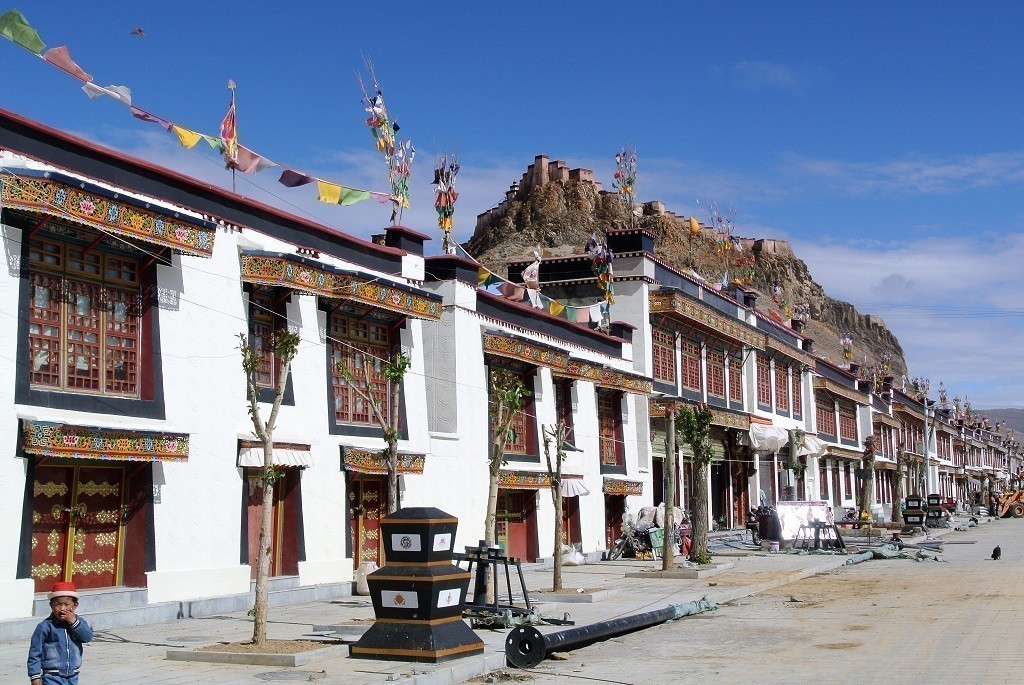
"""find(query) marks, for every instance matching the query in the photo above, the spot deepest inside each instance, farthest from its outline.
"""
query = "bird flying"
(137, 31)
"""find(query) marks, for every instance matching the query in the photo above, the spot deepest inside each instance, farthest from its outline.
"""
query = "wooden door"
(97, 526)
(284, 548)
(365, 496)
(571, 532)
(517, 524)
(837, 497)
(614, 507)
(77, 525)
(741, 493)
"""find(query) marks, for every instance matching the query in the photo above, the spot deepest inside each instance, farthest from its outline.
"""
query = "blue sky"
(883, 140)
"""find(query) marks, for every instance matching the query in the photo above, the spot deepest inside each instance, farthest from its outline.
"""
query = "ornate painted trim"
(839, 391)
(727, 419)
(524, 480)
(293, 446)
(524, 350)
(87, 442)
(608, 378)
(362, 460)
(53, 198)
(322, 280)
(690, 312)
(877, 417)
(619, 486)
(788, 350)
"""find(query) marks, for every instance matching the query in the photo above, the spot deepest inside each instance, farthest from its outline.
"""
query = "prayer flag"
(249, 162)
(229, 134)
(120, 93)
(556, 308)
(214, 142)
(334, 194)
(14, 26)
(188, 138)
(294, 179)
(534, 296)
(512, 291)
(59, 57)
(581, 314)
(146, 116)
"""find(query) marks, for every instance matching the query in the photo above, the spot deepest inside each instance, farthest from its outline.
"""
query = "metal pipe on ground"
(857, 558)
(526, 647)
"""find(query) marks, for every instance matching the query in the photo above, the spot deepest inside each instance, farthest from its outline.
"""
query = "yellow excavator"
(1011, 504)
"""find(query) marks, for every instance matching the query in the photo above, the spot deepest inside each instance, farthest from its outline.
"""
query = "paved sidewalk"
(138, 654)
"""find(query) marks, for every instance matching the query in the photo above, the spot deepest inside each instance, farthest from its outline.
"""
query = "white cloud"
(912, 174)
(758, 76)
(953, 304)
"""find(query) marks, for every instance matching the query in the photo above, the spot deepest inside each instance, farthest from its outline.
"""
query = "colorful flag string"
(16, 28)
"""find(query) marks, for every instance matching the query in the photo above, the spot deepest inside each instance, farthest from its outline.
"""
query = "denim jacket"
(56, 647)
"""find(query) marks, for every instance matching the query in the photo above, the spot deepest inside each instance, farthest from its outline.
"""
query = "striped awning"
(62, 440)
(250, 454)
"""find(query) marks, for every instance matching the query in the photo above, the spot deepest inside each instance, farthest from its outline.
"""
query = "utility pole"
(668, 552)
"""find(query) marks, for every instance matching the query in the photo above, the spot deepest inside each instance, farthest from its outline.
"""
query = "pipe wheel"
(1017, 510)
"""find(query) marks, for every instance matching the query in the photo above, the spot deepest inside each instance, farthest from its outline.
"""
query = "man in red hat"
(55, 652)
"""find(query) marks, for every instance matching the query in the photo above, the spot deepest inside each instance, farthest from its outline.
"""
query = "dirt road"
(894, 621)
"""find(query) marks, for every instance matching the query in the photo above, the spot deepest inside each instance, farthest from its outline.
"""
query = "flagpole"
(231, 87)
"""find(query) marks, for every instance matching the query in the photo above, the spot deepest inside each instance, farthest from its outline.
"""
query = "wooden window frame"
(826, 414)
(764, 381)
(782, 387)
(716, 373)
(847, 422)
(735, 378)
(563, 404)
(609, 418)
(691, 375)
(798, 399)
(352, 339)
(663, 353)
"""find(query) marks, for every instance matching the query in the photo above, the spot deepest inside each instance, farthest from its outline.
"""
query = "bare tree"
(556, 434)
(508, 393)
(694, 425)
(867, 489)
(385, 416)
(897, 486)
(285, 347)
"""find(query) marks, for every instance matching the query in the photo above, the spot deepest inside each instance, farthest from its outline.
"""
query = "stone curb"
(259, 659)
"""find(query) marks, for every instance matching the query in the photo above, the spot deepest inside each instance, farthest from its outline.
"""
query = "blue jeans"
(54, 679)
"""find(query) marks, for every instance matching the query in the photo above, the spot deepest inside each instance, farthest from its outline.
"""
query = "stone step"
(129, 614)
(104, 599)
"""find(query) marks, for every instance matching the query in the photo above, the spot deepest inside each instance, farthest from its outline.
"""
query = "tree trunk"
(391, 436)
(668, 552)
(867, 488)
(699, 506)
(897, 489)
(259, 629)
(556, 575)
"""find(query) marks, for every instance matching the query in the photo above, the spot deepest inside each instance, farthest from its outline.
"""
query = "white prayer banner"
(442, 542)
(448, 598)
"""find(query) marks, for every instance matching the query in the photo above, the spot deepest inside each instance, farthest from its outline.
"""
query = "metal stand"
(830, 540)
(495, 614)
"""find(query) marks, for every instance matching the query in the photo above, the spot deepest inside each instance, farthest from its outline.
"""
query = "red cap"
(63, 590)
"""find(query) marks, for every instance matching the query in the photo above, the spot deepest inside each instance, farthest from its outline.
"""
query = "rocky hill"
(559, 214)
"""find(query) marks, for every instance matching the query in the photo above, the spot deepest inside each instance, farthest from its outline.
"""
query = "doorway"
(284, 557)
(366, 500)
(517, 523)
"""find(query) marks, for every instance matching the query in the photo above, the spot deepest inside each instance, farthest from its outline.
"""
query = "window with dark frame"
(691, 365)
(609, 415)
(524, 424)
(360, 347)
(261, 336)
(822, 479)
(735, 378)
(764, 381)
(798, 399)
(716, 373)
(782, 387)
(85, 310)
(663, 351)
(563, 405)
(847, 421)
(825, 415)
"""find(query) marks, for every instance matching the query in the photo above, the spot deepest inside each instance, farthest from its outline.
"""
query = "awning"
(572, 486)
(70, 199)
(334, 283)
(250, 454)
(64, 440)
(362, 460)
(622, 486)
(767, 438)
(812, 446)
(608, 377)
(521, 349)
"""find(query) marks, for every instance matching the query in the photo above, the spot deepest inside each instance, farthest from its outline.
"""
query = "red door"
(571, 533)
(517, 523)
(77, 525)
(365, 497)
(614, 507)
(284, 550)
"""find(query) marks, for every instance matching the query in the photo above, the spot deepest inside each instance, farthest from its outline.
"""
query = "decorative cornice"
(728, 419)
(839, 391)
(608, 378)
(620, 486)
(523, 480)
(788, 350)
(362, 460)
(63, 201)
(293, 272)
(692, 312)
(527, 351)
(877, 417)
(842, 452)
(62, 440)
